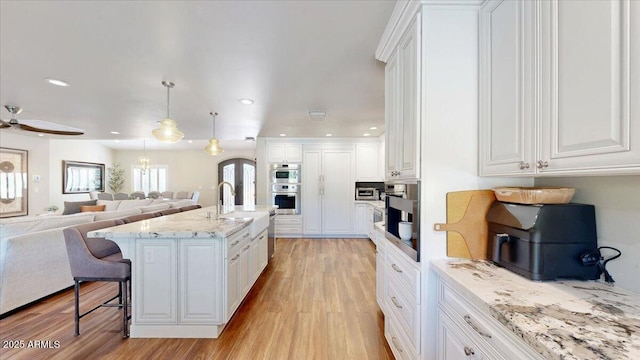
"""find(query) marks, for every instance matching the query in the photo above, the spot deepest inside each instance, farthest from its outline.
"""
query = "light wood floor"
(315, 300)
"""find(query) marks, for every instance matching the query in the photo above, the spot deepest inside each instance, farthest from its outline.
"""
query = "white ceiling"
(288, 56)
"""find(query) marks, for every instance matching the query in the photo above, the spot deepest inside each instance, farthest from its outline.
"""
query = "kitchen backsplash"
(617, 202)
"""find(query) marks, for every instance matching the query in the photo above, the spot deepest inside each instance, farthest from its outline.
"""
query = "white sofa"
(33, 255)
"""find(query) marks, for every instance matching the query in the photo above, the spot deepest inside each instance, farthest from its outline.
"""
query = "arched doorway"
(242, 174)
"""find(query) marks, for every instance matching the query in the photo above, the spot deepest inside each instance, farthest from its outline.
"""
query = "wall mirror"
(82, 177)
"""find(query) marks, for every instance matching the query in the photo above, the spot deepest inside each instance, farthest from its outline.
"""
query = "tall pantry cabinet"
(328, 190)
(559, 87)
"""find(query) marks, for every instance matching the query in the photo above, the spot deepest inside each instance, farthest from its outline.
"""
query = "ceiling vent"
(317, 115)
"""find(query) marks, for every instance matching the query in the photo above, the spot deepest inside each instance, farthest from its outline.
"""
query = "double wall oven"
(285, 188)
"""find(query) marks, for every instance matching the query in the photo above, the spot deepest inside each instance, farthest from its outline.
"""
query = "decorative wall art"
(82, 177)
(14, 194)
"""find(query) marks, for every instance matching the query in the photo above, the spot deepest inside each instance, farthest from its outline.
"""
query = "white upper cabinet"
(402, 105)
(367, 160)
(284, 153)
(506, 97)
(590, 104)
(559, 87)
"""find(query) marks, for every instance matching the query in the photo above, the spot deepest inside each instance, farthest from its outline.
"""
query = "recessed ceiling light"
(190, 141)
(57, 82)
(366, 134)
(40, 134)
(283, 134)
(329, 134)
(373, 128)
(116, 140)
(246, 101)
(115, 132)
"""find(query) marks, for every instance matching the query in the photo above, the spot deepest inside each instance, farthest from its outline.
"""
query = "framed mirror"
(82, 177)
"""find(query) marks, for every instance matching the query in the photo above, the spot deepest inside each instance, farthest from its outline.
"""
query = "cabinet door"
(201, 268)
(233, 292)
(293, 153)
(381, 258)
(590, 109)
(409, 121)
(338, 193)
(361, 227)
(506, 127)
(254, 266)
(156, 293)
(371, 231)
(311, 193)
(392, 116)
(275, 153)
(263, 257)
(453, 343)
(244, 271)
(367, 162)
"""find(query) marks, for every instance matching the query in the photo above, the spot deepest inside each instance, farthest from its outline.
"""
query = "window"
(154, 179)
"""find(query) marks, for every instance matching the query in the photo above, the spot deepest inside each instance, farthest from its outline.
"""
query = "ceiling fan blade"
(49, 127)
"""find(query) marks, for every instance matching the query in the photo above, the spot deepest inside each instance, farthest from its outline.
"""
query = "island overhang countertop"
(199, 223)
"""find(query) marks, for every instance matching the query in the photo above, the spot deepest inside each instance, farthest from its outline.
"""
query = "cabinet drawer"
(289, 230)
(453, 343)
(401, 271)
(406, 313)
(397, 342)
(288, 220)
(234, 241)
(500, 343)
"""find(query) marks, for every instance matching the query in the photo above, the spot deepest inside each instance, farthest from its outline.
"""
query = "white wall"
(617, 202)
(189, 170)
(72, 150)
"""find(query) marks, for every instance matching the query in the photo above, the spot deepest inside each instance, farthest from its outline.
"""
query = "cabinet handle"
(235, 243)
(235, 257)
(542, 164)
(523, 165)
(395, 342)
(475, 327)
(396, 268)
(261, 237)
(468, 351)
(247, 247)
(395, 302)
(245, 235)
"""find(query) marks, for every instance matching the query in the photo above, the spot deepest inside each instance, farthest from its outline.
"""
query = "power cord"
(602, 263)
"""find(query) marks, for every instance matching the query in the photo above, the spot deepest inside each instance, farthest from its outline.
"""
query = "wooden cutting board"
(466, 226)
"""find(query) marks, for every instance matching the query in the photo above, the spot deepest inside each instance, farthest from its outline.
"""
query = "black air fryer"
(544, 242)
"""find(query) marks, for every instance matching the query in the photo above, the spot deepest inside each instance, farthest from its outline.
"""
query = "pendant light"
(168, 131)
(213, 148)
(143, 161)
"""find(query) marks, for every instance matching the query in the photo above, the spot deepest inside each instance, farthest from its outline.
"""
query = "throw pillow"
(87, 208)
(73, 207)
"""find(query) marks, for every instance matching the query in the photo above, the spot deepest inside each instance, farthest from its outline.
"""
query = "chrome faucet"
(220, 203)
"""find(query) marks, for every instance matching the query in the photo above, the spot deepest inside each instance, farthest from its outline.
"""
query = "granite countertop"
(558, 319)
(189, 224)
(378, 204)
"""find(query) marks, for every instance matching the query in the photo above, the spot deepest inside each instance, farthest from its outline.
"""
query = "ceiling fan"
(36, 125)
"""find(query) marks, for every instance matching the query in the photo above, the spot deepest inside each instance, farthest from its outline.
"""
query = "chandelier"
(143, 161)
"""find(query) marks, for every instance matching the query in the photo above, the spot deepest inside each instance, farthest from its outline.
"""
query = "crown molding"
(404, 12)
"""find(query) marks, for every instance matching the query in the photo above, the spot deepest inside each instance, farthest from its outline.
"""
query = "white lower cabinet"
(238, 263)
(155, 290)
(288, 225)
(398, 295)
(258, 255)
(361, 227)
(453, 343)
(200, 266)
(465, 330)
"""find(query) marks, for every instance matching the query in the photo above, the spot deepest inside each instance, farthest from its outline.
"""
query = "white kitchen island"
(190, 272)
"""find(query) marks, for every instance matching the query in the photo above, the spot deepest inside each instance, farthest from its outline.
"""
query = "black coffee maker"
(544, 242)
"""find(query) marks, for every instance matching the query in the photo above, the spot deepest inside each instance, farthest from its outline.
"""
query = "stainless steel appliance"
(367, 193)
(285, 173)
(402, 205)
(544, 242)
(271, 235)
(287, 198)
